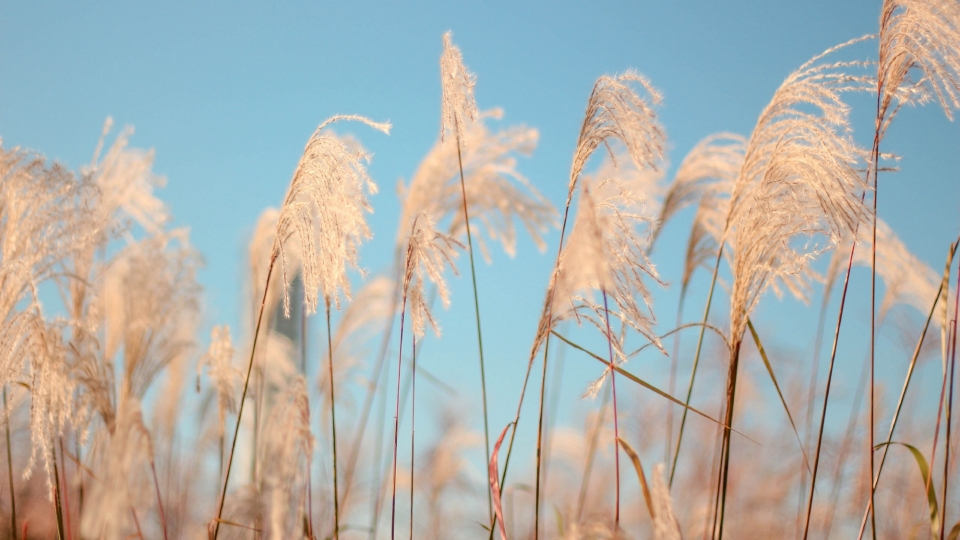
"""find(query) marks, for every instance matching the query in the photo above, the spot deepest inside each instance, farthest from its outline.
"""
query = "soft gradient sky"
(228, 93)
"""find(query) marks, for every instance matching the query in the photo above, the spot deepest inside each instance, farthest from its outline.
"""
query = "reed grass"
(101, 367)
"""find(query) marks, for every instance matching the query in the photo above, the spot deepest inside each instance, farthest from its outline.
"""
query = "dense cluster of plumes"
(101, 306)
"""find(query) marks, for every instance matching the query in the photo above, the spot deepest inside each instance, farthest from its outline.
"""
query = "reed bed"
(122, 421)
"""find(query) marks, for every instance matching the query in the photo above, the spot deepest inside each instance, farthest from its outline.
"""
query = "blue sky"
(228, 93)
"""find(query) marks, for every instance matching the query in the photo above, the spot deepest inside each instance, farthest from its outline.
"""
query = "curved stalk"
(243, 398)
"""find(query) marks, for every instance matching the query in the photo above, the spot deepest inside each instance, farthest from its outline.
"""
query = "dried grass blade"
(494, 478)
(647, 498)
(925, 473)
(648, 386)
(766, 363)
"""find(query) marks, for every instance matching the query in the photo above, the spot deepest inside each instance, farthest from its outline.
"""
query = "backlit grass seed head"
(51, 394)
(126, 182)
(123, 481)
(226, 378)
(799, 180)
(665, 525)
(151, 307)
(716, 158)
(458, 108)
(324, 208)
(498, 195)
(428, 253)
(616, 111)
(607, 253)
(287, 452)
(922, 35)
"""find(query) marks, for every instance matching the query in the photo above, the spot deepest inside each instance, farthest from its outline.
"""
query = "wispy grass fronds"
(428, 253)
(665, 524)
(717, 158)
(498, 195)
(124, 482)
(921, 35)
(459, 107)
(799, 180)
(324, 208)
(606, 253)
(287, 452)
(151, 308)
(126, 183)
(798, 184)
(615, 111)
(226, 378)
(907, 280)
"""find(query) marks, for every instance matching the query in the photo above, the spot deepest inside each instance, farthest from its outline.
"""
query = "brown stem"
(156, 484)
(243, 397)
(333, 427)
(396, 418)
(731, 401)
(826, 395)
(413, 421)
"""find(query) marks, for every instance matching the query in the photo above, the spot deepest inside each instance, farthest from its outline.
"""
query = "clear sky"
(228, 93)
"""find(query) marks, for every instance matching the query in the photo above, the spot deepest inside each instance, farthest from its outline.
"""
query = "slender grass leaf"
(643, 479)
(766, 362)
(495, 482)
(931, 492)
(648, 386)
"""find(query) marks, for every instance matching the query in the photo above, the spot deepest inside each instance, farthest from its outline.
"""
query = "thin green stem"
(368, 404)
(243, 398)
(903, 391)
(811, 398)
(333, 428)
(476, 308)
(953, 363)
(696, 364)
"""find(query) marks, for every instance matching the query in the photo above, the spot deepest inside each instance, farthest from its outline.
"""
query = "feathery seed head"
(497, 194)
(226, 377)
(616, 111)
(921, 34)
(458, 108)
(324, 208)
(428, 252)
(798, 180)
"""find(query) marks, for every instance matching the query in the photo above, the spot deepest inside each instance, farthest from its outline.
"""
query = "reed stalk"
(476, 309)
(696, 364)
(413, 420)
(243, 397)
(396, 418)
(333, 428)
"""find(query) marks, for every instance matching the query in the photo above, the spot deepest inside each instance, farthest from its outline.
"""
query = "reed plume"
(798, 183)
(287, 452)
(498, 195)
(324, 208)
